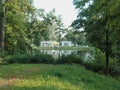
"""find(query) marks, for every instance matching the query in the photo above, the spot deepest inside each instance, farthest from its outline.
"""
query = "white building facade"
(55, 43)
(66, 43)
(49, 43)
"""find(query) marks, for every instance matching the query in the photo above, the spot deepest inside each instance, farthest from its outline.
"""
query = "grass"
(81, 48)
(53, 77)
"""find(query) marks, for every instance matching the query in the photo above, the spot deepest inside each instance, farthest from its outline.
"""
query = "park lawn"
(53, 77)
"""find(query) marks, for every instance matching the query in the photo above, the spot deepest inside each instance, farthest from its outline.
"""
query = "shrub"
(30, 58)
(3, 55)
(42, 58)
(18, 58)
(114, 66)
(72, 58)
(98, 63)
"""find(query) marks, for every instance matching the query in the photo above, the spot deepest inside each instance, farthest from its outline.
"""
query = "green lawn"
(67, 48)
(53, 77)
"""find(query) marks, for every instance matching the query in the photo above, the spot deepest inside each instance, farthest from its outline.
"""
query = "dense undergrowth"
(96, 65)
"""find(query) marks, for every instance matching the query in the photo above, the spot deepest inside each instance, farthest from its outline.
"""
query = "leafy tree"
(15, 18)
(54, 25)
(35, 26)
(43, 26)
(100, 20)
(76, 36)
(26, 26)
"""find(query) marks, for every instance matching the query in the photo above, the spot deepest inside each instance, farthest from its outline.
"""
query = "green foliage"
(99, 19)
(43, 58)
(30, 58)
(99, 58)
(69, 59)
(114, 66)
(23, 29)
(76, 36)
(98, 64)
(56, 73)
(3, 54)
(15, 29)
(18, 58)
(96, 18)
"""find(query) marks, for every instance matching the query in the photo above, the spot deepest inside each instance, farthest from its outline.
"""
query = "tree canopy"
(95, 16)
(100, 20)
(26, 26)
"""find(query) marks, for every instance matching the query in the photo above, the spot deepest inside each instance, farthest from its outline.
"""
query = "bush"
(114, 66)
(72, 58)
(30, 58)
(18, 58)
(42, 58)
(3, 54)
(98, 63)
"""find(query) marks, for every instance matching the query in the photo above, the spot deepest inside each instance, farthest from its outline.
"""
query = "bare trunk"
(2, 27)
(107, 52)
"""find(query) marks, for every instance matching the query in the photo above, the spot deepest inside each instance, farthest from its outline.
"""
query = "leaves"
(26, 26)
(96, 17)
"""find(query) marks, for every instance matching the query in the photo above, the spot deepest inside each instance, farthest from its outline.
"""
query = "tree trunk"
(2, 27)
(107, 51)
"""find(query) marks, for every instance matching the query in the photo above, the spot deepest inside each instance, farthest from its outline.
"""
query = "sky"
(64, 8)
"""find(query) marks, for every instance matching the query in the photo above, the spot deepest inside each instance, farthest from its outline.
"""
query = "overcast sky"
(64, 8)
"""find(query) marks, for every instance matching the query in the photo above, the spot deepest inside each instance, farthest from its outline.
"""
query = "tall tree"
(99, 18)
(54, 25)
(76, 36)
(15, 29)
(26, 26)
(42, 26)
(2, 25)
